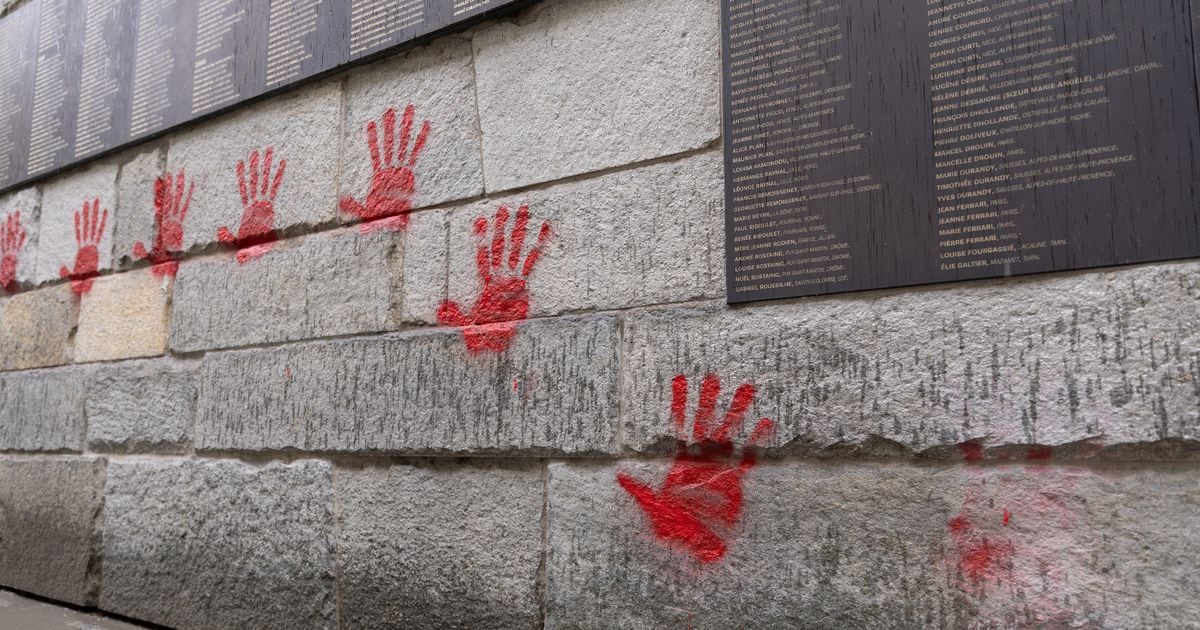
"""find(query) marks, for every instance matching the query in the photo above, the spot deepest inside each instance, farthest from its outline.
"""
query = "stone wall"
(297, 405)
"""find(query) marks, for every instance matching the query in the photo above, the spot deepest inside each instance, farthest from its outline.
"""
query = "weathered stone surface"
(27, 202)
(124, 316)
(425, 263)
(48, 538)
(135, 193)
(1108, 357)
(441, 547)
(37, 327)
(142, 406)
(43, 410)
(335, 283)
(646, 236)
(438, 81)
(31, 614)
(62, 197)
(219, 544)
(302, 127)
(553, 391)
(877, 545)
(591, 84)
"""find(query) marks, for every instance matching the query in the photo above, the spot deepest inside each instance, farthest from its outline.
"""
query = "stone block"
(135, 192)
(1080, 361)
(142, 406)
(26, 613)
(23, 208)
(422, 392)
(646, 236)
(37, 328)
(586, 85)
(124, 316)
(441, 547)
(219, 544)
(49, 541)
(43, 410)
(884, 545)
(59, 243)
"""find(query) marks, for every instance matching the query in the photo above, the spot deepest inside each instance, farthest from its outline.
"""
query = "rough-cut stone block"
(48, 536)
(43, 410)
(303, 127)
(143, 406)
(124, 316)
(62, 198)
(327, 284)
(135, 193)
(553, 391)
(647, 236)
(425, 262)
(1104, 357)
(220, 544)
(442, 547)
(878, 545)
(591, 84)
(24, 207)
(25, 613)
(438, 81)
(36, 328)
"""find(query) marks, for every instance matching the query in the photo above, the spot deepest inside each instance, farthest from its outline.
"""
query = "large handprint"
(504, 299)
(257, 229)
(12, 239)
(701, 499)
(392, 180)
(89, 229)
(170, 209)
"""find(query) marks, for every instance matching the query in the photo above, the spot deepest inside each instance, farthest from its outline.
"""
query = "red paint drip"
(171, 204)
(1007, 515)
(393, 183)
(257, 229)
(89, 230)
(12, 239)
(492, 322)
(971, 451)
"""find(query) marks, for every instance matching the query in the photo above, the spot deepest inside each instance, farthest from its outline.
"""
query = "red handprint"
(392, 181)
(701, 499)
(257, 230)
(12, 239)
(170, 208)
(504, 300)
(89, 229)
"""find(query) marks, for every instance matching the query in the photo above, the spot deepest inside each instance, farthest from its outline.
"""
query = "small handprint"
(170, 209)
(257, 230)
(89, 229)
(12, 239)
(504, 300)
(392, 181)
(701, 499)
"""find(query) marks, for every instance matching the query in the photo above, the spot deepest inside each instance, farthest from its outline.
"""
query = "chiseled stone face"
(43, 410)
(62, 198)
(141, 406)
(135, 211)
(27, 203)
(37, 327)
(124, 316)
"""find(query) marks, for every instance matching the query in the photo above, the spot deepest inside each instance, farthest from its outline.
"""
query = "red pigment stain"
(257, 230)
(504, 300)
(287, 372)
(392, 181)
(971, 451)
(12, 239)
(171, 203)
(979, 557)
(1007, 515)
(89, 229)
(1039, 453)
(700, 501)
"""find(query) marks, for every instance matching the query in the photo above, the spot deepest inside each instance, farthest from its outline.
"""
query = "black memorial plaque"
(80, 78)
(884, 143)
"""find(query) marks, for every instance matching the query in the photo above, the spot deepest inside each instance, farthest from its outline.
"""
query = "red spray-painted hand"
(12, 239)
(392, 180)
(257, 229)
(89, 229)
(701, 499)
(504, 300)
(170, 209)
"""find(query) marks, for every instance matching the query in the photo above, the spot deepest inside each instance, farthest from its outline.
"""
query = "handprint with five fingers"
(12, 239)
(700, 501)
(504, 299)
(89, 230)
(392, 181)
(170, 209)
(257, 230)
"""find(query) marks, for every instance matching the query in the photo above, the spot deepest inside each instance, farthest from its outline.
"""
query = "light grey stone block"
(219, 544)
(49, 542)
(327, 284)
(37, 328)
(441, 547)
(25, 207)
(43, 410)
(877, 545)
(141, 406)
(32, 614)
(425, 263)
(586, 85)
(135, 212)
(553, 391)
(646, 236)
(63, 197)
(1086, 360)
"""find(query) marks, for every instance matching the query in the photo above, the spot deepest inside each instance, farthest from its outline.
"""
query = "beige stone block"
(36, 328)
(124, 316)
